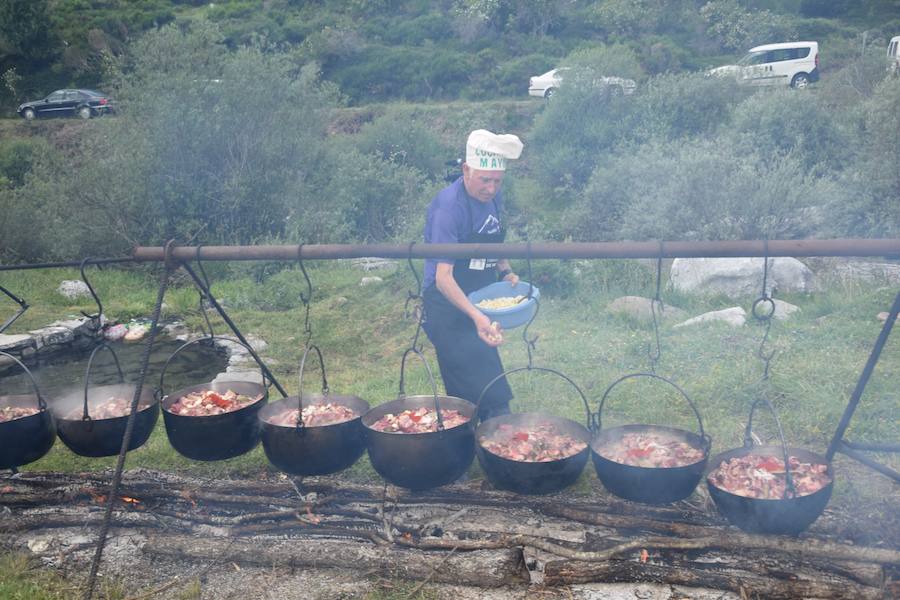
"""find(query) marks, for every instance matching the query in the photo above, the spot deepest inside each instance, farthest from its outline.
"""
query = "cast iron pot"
(788, 515)
(313, 450)
(216, 437)
(532, 477)
(419, 461)
(27, 439)
(89, 436)
(650, 485)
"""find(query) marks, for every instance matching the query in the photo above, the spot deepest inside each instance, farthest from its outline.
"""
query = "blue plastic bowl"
(513, 316)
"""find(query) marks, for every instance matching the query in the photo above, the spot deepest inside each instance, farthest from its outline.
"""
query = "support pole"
(237, 332)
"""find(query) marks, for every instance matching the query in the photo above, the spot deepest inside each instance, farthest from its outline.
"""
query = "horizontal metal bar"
(872, 447)
(719, 249)
(857, 456)
(70, 263)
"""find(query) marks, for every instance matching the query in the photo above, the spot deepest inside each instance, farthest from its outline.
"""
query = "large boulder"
(73, 289)
(739, 277)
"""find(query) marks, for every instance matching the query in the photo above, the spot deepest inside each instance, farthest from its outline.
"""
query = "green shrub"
(393, 138)
(17, 156)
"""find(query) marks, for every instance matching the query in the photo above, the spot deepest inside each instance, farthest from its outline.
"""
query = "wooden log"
(565, 572)
(484, 568)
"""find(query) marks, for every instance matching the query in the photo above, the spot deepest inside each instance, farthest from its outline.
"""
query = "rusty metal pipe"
(719, 249)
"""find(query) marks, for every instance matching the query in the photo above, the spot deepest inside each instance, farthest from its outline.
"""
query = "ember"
(109, 409)
(315, 415)
(543, 443)
(10, 413)
(420, 420)
(650, 450)
(208, 403)
(763, 477)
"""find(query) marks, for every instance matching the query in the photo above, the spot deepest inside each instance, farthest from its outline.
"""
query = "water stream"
(60, 373)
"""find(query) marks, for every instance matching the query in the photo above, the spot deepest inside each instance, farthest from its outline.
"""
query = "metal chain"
(530, 343)
(765, 317)
(129, 427)
(23, 306)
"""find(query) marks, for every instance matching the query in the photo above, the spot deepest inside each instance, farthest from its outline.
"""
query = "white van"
(893, 54)
(790, 63)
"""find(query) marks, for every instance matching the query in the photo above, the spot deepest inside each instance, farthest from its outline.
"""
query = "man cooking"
(469, 212)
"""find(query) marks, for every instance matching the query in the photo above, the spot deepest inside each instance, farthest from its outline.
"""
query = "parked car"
(67, 103)
(791, 63)
(544, 86)
(893, 55)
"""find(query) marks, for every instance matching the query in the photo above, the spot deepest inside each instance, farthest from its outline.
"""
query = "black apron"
(467, 364)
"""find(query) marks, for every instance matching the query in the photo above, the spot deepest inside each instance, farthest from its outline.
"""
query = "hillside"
(407, 49)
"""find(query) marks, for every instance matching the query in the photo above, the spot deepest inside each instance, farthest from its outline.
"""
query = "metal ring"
(763, 317)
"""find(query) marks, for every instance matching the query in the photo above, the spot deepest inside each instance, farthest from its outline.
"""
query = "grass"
(362, 334)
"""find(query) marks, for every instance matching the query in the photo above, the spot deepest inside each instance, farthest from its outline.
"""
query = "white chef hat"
(489, 151)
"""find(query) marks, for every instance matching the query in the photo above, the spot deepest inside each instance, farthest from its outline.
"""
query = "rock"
(16, 342)
(49, 336)
(883, 316)
(73, 288)
(338, 301)
(638, 307)
(249, 376)
(858, 270)
(734, 316)
(372, 263)
(365, 281)
(175, 329)
(739, 277)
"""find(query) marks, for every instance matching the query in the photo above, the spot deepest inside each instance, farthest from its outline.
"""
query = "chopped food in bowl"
(315, 415)
(502, 302)
(540, 443)
(11, 413)
(418, 420)
(207, 403)
(650, 449)
(763, 477)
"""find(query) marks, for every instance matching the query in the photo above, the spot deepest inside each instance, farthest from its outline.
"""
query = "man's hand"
(512, 278)
(490, 333)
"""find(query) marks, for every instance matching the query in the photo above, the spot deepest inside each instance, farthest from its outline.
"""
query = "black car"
(67, 103)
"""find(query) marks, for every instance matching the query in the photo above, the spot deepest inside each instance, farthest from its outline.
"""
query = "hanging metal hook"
(654, 355)
(309, 292)
(95, 318)
(765, 317)
(203, 294)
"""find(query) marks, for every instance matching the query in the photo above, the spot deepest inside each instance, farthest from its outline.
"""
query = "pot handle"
(300, 425)
(437, 408)
(598, 425)
(42, 405)
(789, 490)
(587, 407)
(160, 394)
(87, 375)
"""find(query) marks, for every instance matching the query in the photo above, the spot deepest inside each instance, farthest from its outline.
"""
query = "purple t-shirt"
(447, 221)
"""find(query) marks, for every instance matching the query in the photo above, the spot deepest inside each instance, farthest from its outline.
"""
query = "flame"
(129, 500)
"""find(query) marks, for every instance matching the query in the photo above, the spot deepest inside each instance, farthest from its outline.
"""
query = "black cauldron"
(214, 437)
(313, 450)
(421, 461)
(650, 485)
(26, 439)
(526, 477)
(789, 515)
(87, 435)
